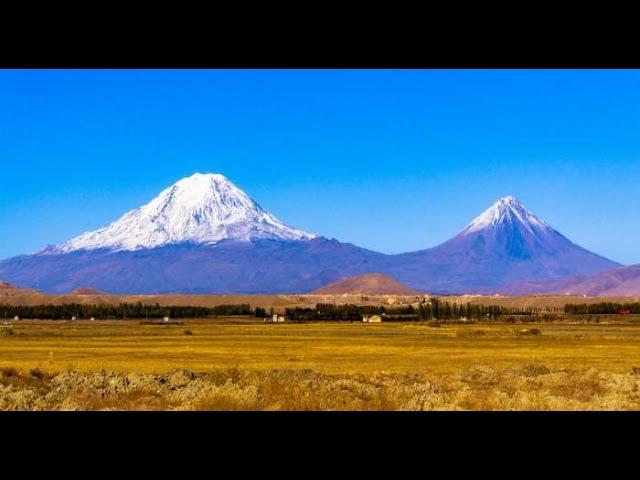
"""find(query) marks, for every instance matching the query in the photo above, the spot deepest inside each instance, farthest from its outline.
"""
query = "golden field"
(214, 365)
(324, 347)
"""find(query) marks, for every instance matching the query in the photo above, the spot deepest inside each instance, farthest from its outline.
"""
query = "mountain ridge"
(204, 235)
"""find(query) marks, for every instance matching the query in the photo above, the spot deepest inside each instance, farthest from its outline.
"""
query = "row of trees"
(348, 312)
(119, 312)
(433, 310)
(602, 308)
(442, 310)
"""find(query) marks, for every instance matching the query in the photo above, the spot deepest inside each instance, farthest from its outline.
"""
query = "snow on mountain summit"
(203, 209)
(507, 209)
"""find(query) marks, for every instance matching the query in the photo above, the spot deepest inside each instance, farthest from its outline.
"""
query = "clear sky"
(389, 160)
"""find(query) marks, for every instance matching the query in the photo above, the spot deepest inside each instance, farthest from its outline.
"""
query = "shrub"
(530, 331)
(535, 370)
(188, 332)
(37, 373)
(8, 372)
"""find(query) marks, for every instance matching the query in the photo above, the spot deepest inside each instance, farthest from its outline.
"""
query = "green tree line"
(601, 308)
(433, 310)
(119, 312)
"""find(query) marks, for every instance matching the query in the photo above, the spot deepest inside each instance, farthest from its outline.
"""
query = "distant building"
(274, 319)
(166, 319)
(371, 319)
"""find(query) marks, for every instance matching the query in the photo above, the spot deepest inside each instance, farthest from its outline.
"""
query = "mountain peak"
(204, 208)
(507, 210)
(203, 178)
(509, 199)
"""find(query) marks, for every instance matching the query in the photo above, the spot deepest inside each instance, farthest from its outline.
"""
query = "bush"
(37, 373)
(530, 331)
(8, 372)
(535, 370)
(188, 332)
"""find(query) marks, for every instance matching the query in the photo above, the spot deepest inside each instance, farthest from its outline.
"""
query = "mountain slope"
(504, 244)
(620, 282)
(204, 235)
(367, 284)
(230, 266)
(8, 289)
(202, 209)
(86, 291)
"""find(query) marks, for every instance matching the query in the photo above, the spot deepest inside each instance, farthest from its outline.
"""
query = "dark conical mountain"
(204, 235)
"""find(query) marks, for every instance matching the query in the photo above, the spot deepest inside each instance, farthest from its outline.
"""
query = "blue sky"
(390, 160)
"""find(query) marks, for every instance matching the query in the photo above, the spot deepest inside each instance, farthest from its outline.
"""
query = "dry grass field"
(324, 347)
(250, 365)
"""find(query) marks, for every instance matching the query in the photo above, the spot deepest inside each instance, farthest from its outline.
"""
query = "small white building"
(371, 319)
(274, 319)
(166, 319)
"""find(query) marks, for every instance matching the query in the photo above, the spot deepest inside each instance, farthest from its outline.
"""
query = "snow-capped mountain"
(508, 210)
(204, 235)
(201, 209)
(504, 244)
(509, 229)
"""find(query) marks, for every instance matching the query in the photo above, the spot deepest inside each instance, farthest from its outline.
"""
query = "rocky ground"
(533, 387)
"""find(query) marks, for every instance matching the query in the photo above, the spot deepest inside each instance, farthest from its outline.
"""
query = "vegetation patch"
(534, 387)
(530, 331)
(470, 333)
